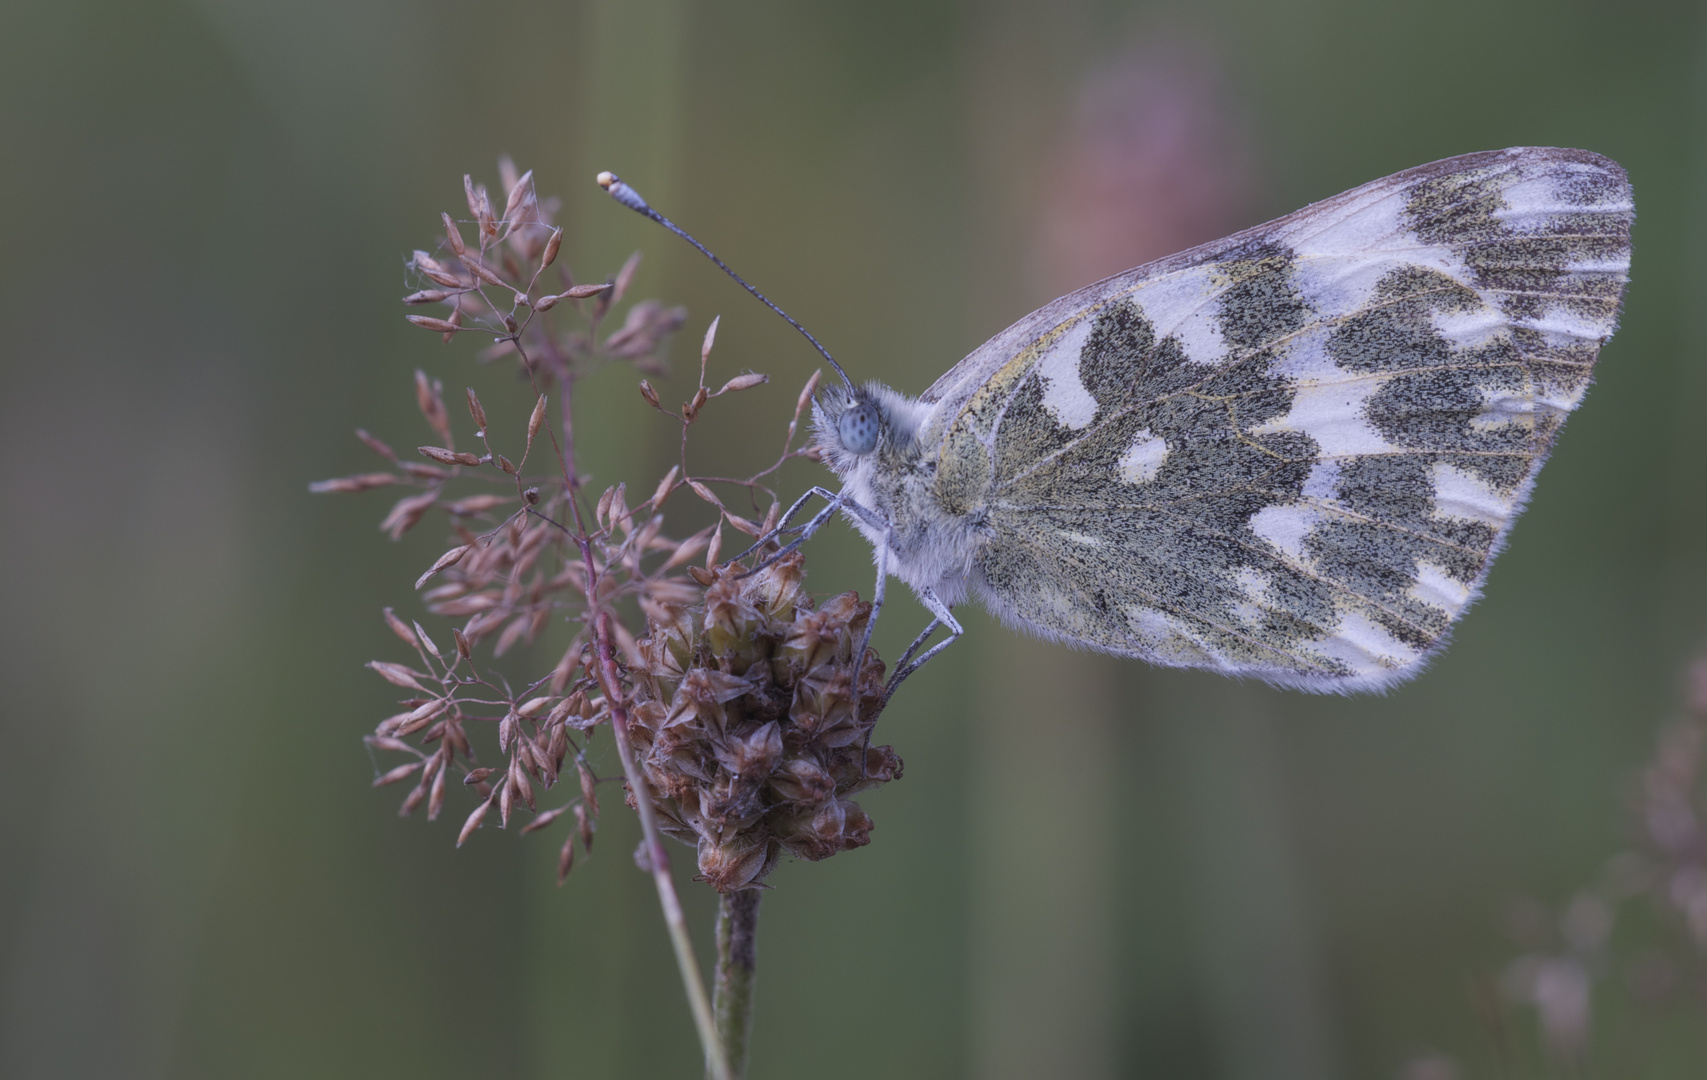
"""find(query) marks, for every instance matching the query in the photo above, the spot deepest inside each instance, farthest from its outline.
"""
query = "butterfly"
(1291, 454)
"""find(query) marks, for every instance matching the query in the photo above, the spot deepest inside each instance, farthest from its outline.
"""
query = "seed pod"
(428, 322)
(401, 630)
(397, 774)
(449, 558)
(376, 445)
(473, 822)
(449, 457)
(398, 675)
(436, 800)
(624, 277)
(551, 246)
(453, 234)
(482, 271)
(665, 486)
(743, 382)
(566, 859)
(476, 410)
(536, 419)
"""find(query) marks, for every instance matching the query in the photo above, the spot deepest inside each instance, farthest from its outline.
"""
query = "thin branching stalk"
(716, 1060)
(737, 955)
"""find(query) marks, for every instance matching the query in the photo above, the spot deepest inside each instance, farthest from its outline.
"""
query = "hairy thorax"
(933, 533)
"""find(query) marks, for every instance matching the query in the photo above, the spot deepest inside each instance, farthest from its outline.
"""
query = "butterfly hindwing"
(1293, 453)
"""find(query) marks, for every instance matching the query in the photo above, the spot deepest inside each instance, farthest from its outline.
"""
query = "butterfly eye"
(858, 428)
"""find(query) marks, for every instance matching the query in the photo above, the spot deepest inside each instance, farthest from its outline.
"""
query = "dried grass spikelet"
(749, 728)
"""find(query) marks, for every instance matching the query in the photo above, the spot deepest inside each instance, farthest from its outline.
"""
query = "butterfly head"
(863, 428)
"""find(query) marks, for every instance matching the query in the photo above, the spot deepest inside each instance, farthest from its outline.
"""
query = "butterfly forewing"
(1292, 453)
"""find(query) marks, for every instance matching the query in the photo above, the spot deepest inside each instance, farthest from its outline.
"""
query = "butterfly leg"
(877, 592)
(806, 531)
(940, 616)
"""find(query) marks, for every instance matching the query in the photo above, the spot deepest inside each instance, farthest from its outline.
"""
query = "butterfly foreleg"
(834, 499)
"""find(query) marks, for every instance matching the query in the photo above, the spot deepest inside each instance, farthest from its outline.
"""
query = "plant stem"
(716, 1061)
(737, 954)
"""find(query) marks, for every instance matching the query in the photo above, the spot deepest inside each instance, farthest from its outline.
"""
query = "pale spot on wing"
(1340, 259)
(1358, 224)
(1255, 585)
(1435, 588)
(1364, 645)
(1064, 393)
(1180, 306)
(1325, 406)
(1533, 204)
(1143, 459)
(1501, 408)
(1560, 322)
(1168, 638)
(1470, 329)
(1084, 539)
(1285, 525)
(1324, 477)
(1463, 496)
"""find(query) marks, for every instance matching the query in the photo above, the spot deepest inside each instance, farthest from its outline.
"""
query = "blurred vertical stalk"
(737, 958)
(631, 68)
(1042, 920)
(1257, 969)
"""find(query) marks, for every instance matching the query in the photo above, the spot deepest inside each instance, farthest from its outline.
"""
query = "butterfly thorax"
(930, 545)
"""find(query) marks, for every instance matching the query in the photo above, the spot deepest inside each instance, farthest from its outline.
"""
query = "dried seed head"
(401, 630)
(551, 246)
(363, 482)
(750, 727)
(536, 419)
(406, 513)
(476, 410)
(705, 345)
(566, 859)
(453, 234)
(442, 326)
(449, 558)
(376, 445)
(624, 278)
(473, 822)
(743, 382)
(582, 292)
(650, 395)
(665, 486)
(429, 397)
(397, 774)
(448, 457)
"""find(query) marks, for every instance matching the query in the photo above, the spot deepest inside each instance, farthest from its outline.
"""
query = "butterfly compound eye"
(858, 428)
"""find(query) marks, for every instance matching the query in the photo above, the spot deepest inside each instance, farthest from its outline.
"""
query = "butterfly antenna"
(630, 198)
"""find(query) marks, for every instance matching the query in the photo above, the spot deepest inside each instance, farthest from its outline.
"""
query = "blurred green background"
(1091, 869)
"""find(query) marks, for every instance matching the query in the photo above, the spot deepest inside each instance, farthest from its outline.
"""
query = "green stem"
(737, 952)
